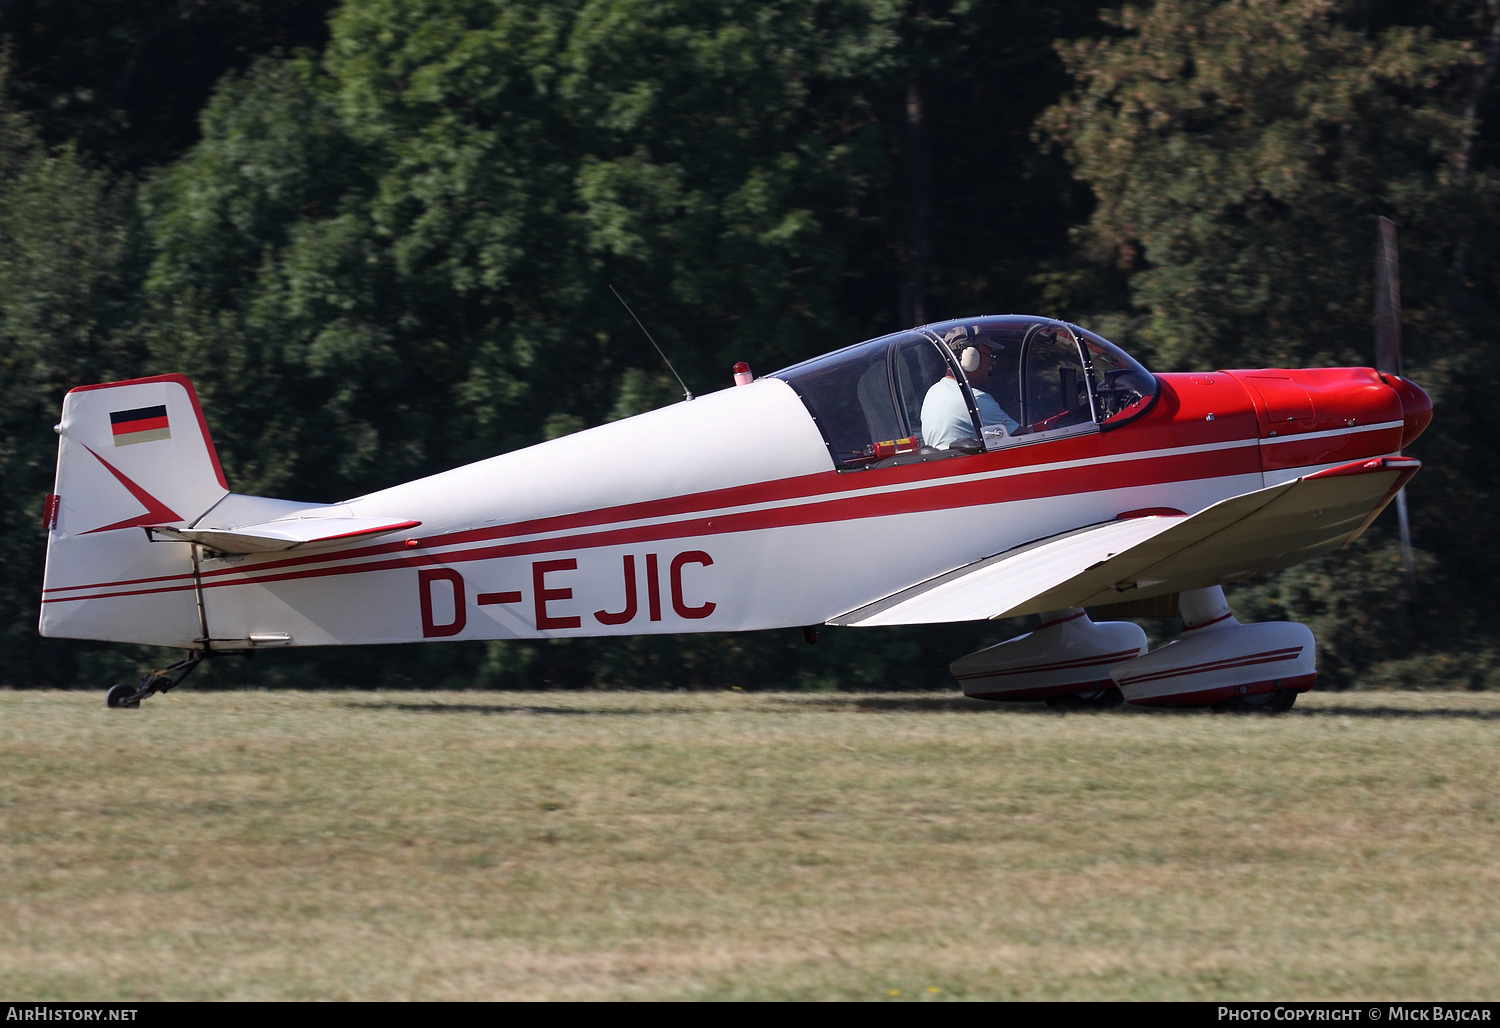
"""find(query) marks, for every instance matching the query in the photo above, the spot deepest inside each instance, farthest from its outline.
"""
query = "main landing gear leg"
(1220, 663)
(154, 681)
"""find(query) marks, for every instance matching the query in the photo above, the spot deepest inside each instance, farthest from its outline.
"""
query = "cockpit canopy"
(964, 387)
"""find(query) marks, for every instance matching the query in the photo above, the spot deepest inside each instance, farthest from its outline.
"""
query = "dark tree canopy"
(125, 79)
(379, 235)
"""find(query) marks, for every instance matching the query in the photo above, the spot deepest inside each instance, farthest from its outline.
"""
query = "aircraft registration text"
(443, 596)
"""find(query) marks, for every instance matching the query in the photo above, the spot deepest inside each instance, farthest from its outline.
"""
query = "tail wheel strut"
(154, 681)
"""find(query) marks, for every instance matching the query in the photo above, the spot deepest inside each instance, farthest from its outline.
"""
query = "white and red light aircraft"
(833, 492)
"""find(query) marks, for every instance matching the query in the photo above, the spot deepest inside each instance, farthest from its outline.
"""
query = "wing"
(1250, 534)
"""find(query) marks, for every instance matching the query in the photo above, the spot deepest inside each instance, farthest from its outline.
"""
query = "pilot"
(945, 414)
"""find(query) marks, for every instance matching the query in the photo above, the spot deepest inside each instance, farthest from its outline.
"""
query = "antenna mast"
(687, 394)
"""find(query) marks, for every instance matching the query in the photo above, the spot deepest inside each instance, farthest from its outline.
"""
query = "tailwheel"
(1096, 699)
(152, 682)
(121, 697)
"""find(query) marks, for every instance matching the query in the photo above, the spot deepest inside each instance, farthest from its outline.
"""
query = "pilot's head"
(976, 353)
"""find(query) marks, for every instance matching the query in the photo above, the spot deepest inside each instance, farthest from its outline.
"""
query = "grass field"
(250, 845)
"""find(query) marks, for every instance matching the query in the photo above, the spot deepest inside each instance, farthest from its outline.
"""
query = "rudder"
(131, 454)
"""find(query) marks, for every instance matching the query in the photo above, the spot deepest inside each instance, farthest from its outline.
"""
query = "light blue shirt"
(945, 415)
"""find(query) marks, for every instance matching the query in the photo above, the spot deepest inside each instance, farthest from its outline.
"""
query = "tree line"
(379, 236)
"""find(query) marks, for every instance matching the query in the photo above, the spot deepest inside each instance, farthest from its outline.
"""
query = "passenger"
(945, 414)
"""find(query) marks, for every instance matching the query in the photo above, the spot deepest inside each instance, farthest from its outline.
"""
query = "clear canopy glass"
(966, 387)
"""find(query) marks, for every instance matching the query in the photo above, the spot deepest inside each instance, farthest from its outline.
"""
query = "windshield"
(1123, 388)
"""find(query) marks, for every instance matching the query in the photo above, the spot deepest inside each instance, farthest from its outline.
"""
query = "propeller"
(1388, 355)
(1387, 301)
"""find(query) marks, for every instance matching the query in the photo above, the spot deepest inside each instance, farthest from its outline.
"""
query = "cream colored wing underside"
(1253, 533)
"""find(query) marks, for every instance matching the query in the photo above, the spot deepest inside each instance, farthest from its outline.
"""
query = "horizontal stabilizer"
(284, 534)
(1250, 534)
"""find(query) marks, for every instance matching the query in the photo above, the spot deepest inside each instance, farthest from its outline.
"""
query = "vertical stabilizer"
(131, 455)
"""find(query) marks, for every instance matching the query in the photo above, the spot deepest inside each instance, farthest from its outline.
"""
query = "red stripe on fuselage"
(1295, 452)
(1171, 424)
(824, 487)
(936, 495)
(925, 490)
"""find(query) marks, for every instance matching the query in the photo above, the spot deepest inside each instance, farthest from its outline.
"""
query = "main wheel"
(1097, 699)
(117, 696)
(1278, 702)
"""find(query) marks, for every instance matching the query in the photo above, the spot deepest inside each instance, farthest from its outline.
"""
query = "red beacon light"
(742, 374)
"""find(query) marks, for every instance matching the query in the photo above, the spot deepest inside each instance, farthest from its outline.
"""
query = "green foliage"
(402, 239)
(124, 80)
(1239, 154)
(268, 288)
(69, 287)
(392, 255)
(395, 258)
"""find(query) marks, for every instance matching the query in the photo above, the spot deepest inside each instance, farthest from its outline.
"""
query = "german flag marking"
(141, 425)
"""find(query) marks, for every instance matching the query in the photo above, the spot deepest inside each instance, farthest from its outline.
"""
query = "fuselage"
(729, 513)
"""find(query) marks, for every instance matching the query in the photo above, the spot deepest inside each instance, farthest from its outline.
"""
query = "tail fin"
(132, 455)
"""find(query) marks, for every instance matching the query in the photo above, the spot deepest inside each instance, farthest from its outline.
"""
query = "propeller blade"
(1408, 565)
(1387, 301)
(1388, 361)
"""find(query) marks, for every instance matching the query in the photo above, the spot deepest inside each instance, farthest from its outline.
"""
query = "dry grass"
(606, 846)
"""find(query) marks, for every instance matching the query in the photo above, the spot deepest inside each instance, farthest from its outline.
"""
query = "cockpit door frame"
(946, 352)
